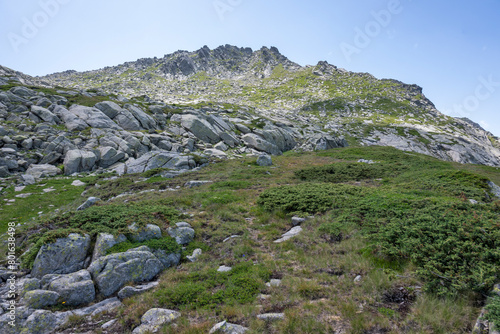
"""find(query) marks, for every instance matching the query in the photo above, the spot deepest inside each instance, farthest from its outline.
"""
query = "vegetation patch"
(208, 289)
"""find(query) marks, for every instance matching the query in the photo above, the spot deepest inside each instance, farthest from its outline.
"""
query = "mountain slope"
(364, 109)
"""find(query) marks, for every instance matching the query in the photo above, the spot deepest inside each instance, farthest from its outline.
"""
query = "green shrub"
(493, 309)
(332, 232)
(308, 198)
(348, 171)
(208, 289)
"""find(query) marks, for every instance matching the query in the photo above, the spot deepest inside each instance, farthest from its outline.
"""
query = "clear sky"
(449, 47)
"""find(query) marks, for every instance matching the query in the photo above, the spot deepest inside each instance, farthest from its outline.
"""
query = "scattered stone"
(130, 291)
(154, 319)
(231, 237)
(106, 305)
(88, 203)
(297, 220)
(290, 234)
(264, 160)
(193, 184)
(109, 324)
(274, 283)
(225, 327)
(358, 279)
(495, 190)
(145, 233)
(78, 183)
(182, 235)
(224, 269)
(366, 161)
(64, 256)
(196, 253)
(18, 189)
(473, 201)
(48, 190)
(271, 316)
(26, 195)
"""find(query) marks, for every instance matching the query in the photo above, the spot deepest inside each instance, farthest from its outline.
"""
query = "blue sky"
(450, 48)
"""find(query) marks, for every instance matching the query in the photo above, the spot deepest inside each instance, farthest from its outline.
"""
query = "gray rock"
(88, 203)
(109, 324)
(110, 156)
(147, 122)
(254, 141)
(271, 316)
(225, 327)
(38, 299)
(112, 272)
(159, 159)
(45, 322)
(61, 144)
(322, 142)
(264, 160)
(194, 184)
(154, 319)
(31, 284)
(167, 259)
(45, 115)
(196, 254)
(290, 234)
(23, 91)
(495, 190)
(75, 288)
(77, 161)
(297, 220)
(71, 121)
(44, 102)
(107, 305)
(93, 117)
(144, 233)
(127, 121)
(4, 172)
(130, 291)
(182, 235)
(215, 153)
(104, 242)
(111, 109)
(51, 158)
(224, 269)
(65, 255)
(201, 128)
(274, 283)
(43, 170)
(221, 147)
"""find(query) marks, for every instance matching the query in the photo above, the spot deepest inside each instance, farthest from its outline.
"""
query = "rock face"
(65, 255)
(112, 272)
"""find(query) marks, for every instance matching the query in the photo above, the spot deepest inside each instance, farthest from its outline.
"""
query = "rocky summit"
(235, 191)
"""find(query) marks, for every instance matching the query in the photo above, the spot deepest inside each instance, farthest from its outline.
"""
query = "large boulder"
(77, 161)
(72, 122)
(112, 272)
(322, 142)
(111, 109)
(64, 256)
(75, 288)
(127, 121)
(260, 144)
(44, 322)
(182, 234)
(109, 156)
(93, 117)
(43, 170)
(201, 128)
(45, 115)
(140, 234)
(160, 159)
(225, 327)
(147, 122)
(60, 144)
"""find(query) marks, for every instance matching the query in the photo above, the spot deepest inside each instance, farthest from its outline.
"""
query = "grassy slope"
(350, 237)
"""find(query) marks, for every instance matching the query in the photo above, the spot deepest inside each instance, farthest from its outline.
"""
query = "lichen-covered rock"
(167, 259)
(196, 254)
(182, 235)
(154, 319)
(75, 288)
(40, 298)
(150, 231)
(88, 203)
(104, 242)
(225, 327)
(112, 272)
(106, 305)
(64, 256)
(44, 322)
(264, 160)
(31, 284)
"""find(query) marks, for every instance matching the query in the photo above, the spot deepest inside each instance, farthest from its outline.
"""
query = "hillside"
(234, 191)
